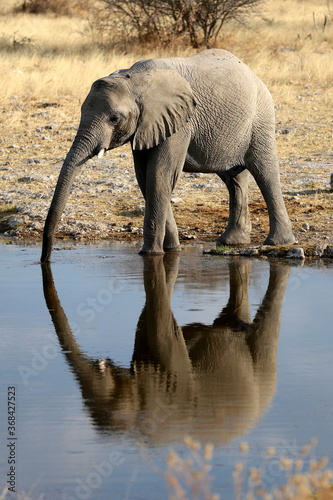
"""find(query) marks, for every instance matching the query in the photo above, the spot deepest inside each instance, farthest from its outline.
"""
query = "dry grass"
(57, 58)
(45, 58)
(305, 477)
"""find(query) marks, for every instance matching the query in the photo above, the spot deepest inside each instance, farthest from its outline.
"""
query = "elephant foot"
(234, 237)
(274, 241)
(144, 252)
(172, 249)
(281, 237)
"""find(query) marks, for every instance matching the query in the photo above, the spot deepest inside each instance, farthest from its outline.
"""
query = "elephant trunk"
(79, 153)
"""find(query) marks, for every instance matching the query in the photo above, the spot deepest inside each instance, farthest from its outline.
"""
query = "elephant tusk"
(101, 154)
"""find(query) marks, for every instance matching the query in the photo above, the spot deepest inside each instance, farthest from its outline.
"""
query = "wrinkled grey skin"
(178, 373)
(206, 113)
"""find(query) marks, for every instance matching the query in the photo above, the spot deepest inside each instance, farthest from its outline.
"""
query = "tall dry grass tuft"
(305, 478)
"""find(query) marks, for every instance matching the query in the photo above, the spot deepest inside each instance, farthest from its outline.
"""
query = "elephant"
(205, 113)
(212, 381)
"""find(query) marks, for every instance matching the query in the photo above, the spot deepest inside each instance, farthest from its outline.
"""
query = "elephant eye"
(116, 117)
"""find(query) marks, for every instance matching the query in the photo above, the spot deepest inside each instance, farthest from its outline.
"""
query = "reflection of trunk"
(77, 155)
(97, 378)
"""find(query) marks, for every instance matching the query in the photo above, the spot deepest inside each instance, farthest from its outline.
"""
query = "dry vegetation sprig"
(189, 479)
(305, 477)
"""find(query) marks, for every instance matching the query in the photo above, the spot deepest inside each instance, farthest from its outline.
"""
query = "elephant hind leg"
(263, 165)
(239, 226)
(171, 240)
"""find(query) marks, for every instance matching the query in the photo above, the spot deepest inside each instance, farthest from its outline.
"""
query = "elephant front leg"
(154, 226)
(164, 164)
(157, 241)
(159, 231)
(239, 226)
(171, 240)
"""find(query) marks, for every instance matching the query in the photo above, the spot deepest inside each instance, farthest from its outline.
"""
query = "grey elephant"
(205, 113)
(212, 381)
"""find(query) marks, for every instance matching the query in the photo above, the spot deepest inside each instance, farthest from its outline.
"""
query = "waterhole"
(116, 358)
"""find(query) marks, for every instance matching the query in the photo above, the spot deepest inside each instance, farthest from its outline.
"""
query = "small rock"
(249, 252)
(28, 178)
(306, 226)
(51, 126)
(37, 225)
(319, 250)
(295, 253)
(140, 208)
(13, 222)
(328, 252)
(123, 155)
(313, 228)
(273, 253)
(176, 200)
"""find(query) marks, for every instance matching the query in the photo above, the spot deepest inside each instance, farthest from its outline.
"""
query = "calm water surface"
(110, 352)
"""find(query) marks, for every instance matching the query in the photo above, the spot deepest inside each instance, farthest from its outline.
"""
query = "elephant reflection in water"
(212, 382)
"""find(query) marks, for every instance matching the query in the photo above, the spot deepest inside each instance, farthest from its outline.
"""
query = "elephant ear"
(166, 104)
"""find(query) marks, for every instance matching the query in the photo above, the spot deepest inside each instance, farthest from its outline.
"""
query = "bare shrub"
(162, 21)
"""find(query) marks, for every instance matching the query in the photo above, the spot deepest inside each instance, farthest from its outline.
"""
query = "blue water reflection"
(108, 350)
